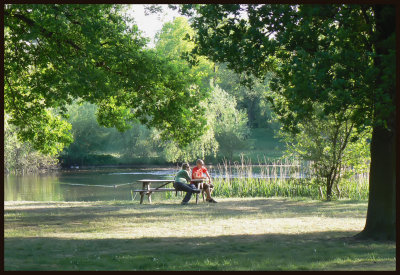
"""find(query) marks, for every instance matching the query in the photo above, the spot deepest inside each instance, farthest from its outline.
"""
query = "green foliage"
(57, 53)
(263, 142)
(229, 124)
(21, 157)
(331, 144)
(88, 136)
(97, 145)
(252, 98)
(319, 53)
(226, 127)
(174, 40)
(227, 131)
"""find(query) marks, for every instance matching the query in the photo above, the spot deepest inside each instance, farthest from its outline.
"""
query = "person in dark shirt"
(181, 183)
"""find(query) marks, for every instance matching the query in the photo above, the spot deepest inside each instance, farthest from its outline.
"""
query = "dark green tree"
(57, 53)
(340, 56)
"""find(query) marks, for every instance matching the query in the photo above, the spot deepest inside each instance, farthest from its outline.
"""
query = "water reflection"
(32, 188)
(83, 185)
(95, 184)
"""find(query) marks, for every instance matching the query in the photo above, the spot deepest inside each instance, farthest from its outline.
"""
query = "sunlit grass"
(234, 234)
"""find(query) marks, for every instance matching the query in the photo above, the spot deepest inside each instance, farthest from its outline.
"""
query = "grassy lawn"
(235, 234)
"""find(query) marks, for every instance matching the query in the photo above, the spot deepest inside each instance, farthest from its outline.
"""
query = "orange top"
(198, 172)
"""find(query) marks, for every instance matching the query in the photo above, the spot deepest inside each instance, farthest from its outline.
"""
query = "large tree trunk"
(381, 215)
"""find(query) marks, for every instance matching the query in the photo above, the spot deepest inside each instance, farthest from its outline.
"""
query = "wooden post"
(148, 192)
(142, 193)
(141, 197)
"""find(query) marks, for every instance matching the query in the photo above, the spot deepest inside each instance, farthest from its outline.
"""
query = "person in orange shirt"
(197, 173)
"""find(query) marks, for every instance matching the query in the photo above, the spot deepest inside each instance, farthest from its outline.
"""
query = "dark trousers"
(188, 188)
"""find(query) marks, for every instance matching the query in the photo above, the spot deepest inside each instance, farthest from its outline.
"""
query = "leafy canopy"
(225, 124)
(57, 53)
(319, 53)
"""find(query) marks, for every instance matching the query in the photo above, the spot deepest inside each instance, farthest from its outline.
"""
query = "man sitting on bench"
(197, 173)
(180, 184)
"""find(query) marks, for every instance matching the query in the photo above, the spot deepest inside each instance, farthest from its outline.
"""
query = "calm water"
(89, 185)
(81, 185)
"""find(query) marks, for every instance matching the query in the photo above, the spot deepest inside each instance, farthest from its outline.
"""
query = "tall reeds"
(285, 178)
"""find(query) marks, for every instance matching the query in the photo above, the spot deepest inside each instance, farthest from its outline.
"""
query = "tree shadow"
(316, 250)
(270, 208)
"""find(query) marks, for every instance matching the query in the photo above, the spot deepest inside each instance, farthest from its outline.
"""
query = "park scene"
(200, 137)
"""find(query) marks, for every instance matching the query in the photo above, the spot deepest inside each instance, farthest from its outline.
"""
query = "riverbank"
(234, 234)
(260, 144)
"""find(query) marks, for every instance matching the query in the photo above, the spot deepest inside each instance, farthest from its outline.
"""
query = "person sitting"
(181, 183)
(197, 173)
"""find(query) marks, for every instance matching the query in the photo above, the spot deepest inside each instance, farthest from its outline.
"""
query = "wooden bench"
(147, 190)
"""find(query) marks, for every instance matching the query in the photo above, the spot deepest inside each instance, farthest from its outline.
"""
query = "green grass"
(281, 177)
(234, 234)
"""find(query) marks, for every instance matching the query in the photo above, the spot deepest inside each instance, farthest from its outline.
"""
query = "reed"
(283, 178)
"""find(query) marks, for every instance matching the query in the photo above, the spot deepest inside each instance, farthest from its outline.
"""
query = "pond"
(80, 185)
(90, 184)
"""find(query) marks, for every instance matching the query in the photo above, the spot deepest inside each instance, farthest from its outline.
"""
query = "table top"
(153, 180)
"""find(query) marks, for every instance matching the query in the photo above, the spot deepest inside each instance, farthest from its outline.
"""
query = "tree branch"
(368, 22)
(45, 32)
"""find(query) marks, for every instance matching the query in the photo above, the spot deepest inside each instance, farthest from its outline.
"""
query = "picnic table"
(147, 190)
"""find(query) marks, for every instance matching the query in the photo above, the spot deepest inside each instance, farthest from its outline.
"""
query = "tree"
(88, 136)
(94, 143)
(227, 131)
(341, 56)
(174, 40)
(20, 157)
(329, 143)
(252, 98)
(55, 54)
(226, 125)
(229, 123)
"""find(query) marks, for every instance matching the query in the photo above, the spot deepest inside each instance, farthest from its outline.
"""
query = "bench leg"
(141, 197)
(149, 196)
(202, 193)
(197, 198)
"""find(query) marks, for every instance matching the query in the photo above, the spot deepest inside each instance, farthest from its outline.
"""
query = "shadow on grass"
(311, 251)
(271, 208)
